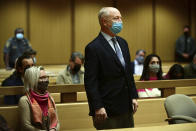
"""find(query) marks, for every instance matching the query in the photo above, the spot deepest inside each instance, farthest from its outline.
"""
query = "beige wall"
(193, 17)
(50, 30)
(58, 27)
(171, 16)
(137, 24)
(12, 15)
(86, 21)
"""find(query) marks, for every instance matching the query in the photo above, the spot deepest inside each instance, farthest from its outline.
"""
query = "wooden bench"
(151, 112)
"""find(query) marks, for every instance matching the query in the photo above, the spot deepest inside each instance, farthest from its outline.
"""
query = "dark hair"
(17, 30)
(140, 50)
(76, 54)
(146, 71)
(174, 70)
(30, 52)
(19, 61)
(187, 26)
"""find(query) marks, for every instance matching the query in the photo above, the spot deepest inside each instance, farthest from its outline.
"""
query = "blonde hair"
(31, 78)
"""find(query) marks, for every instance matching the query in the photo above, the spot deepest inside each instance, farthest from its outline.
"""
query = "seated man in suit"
(138, 62)
(74, 72)
(17, 78)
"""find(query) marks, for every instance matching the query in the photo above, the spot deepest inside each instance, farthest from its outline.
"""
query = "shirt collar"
(106, 36)
(136, 62)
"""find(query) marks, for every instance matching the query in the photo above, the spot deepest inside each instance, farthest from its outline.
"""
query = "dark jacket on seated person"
(12, 80)
(190, 71)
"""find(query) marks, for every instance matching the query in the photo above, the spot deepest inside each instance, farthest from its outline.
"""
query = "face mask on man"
(116, 27)
(140, 60)
(186, 34)
(42, 86)
(154, 68)
(19, 36)
(76, 68)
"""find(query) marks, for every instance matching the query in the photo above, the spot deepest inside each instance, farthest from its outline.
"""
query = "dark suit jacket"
(107, 83)
(13, 80)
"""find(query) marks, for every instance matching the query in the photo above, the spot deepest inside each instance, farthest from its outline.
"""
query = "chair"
(180, 109)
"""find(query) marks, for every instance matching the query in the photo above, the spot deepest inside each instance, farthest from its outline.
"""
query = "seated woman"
(175, 72)
(37, 108)
(152, 71)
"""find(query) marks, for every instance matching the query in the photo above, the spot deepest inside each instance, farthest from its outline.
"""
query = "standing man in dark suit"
(109, 81)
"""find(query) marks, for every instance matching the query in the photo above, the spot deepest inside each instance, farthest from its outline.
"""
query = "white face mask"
(154, 68)
(19, 36)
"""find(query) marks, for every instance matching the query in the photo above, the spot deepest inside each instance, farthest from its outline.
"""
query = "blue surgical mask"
(116, 27)
(19, 36)
(140, 60)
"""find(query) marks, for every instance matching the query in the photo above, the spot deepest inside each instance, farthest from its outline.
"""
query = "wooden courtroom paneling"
(137, 24)
(50, 30)
(53, 34)
(75, 115)
(86, 21)
(193, 18)
(170, 16)
(12, 15)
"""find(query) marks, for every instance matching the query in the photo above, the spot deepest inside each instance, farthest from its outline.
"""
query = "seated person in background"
(185, 46)
(37, 108)
(175, 72)
(32, 53)
(190, 69)
(14, 48)
(16, 79)
(152, 71)
(137, 65)
(73, 74)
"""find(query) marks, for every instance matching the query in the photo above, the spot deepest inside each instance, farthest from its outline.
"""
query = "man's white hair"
(104, 12)
(31, 78)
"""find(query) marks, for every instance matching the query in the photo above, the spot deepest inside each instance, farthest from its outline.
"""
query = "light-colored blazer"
(64, 77)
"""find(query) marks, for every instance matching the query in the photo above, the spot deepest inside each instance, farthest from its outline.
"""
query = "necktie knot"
(114, 41)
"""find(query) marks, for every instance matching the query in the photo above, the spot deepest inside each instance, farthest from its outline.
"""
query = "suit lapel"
(109, 49)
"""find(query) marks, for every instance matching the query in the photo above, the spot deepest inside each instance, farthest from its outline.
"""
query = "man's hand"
(100, 115)
(135, 105)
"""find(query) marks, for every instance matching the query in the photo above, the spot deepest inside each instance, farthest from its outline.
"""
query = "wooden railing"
(161, 84)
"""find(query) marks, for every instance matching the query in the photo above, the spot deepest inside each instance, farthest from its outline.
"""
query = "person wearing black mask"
(74, 72)
(37, 108)
(185, 46)
(137, 64)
